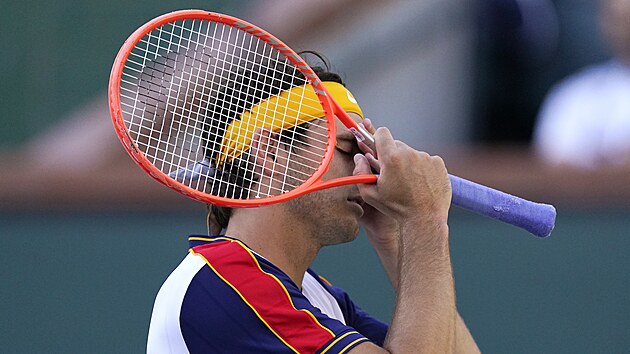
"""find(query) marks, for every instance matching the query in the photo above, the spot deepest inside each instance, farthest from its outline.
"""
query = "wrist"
(387, 246)
(425, 238)
(384, 240)
(425, 224)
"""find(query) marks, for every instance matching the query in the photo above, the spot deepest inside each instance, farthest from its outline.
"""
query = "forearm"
(388, 253)
(387, 250)
(413, 190)
(425, 315)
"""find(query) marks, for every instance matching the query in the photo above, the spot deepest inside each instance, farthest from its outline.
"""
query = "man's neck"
(283, 242)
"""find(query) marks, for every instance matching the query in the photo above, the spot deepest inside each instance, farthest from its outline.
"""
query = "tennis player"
(250, 289)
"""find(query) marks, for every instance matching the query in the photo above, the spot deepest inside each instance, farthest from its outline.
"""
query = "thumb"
(361, 165)
(368, 191)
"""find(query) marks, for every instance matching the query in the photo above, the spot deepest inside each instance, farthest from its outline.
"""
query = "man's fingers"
(385, 143)
(365, 148)
(367, 124)
(361, 165)
(374, 164)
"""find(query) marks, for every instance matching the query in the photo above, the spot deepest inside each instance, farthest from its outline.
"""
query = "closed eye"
(347, 147)
(342, 151)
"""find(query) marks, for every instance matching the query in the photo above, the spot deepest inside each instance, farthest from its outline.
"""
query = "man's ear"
(264, 149)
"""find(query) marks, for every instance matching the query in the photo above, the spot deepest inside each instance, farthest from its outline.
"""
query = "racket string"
(179, 93)
(255, 81)
(256, 60)
(190, 92)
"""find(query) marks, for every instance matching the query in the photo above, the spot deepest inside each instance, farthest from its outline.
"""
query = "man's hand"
(411, 183)
(383, 231)
(410, 203)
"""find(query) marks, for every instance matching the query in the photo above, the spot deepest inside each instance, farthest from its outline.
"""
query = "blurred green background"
(84, 282)
(56, 55)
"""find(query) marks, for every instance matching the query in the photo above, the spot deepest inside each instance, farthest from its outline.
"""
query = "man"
(252, 290)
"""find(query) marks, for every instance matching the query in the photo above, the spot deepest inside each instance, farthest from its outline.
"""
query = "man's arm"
(408, 229)
(388, 254)
(384, 234)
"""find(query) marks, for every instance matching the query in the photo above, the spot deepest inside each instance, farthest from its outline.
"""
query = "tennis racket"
(185, 97)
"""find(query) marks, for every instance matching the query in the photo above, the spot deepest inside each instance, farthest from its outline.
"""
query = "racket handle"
(539, 219)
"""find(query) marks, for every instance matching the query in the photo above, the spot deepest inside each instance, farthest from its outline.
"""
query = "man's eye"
(345, 148)
(343, 152)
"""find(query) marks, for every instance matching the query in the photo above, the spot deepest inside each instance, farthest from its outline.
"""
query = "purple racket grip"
(538, 219)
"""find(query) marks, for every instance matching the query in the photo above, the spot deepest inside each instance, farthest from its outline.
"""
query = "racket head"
(172, 66)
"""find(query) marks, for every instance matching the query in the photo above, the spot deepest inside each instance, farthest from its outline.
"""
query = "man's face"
(333, 213)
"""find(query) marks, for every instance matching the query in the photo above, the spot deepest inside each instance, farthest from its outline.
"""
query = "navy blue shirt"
(224, 298)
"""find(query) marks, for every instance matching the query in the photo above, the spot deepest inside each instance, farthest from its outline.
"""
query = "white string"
(203, 181)
(173, 73)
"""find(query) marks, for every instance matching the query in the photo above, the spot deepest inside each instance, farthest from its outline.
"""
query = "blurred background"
(86, 239)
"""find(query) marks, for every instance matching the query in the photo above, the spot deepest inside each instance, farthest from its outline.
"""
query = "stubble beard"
(318, 211)
(313, 211)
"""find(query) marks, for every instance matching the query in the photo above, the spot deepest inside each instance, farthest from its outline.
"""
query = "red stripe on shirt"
(265, 294)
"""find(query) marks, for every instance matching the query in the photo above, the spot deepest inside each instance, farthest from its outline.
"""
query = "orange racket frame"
(331, 107)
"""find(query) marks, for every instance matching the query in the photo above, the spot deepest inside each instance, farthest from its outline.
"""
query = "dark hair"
(243, 92)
